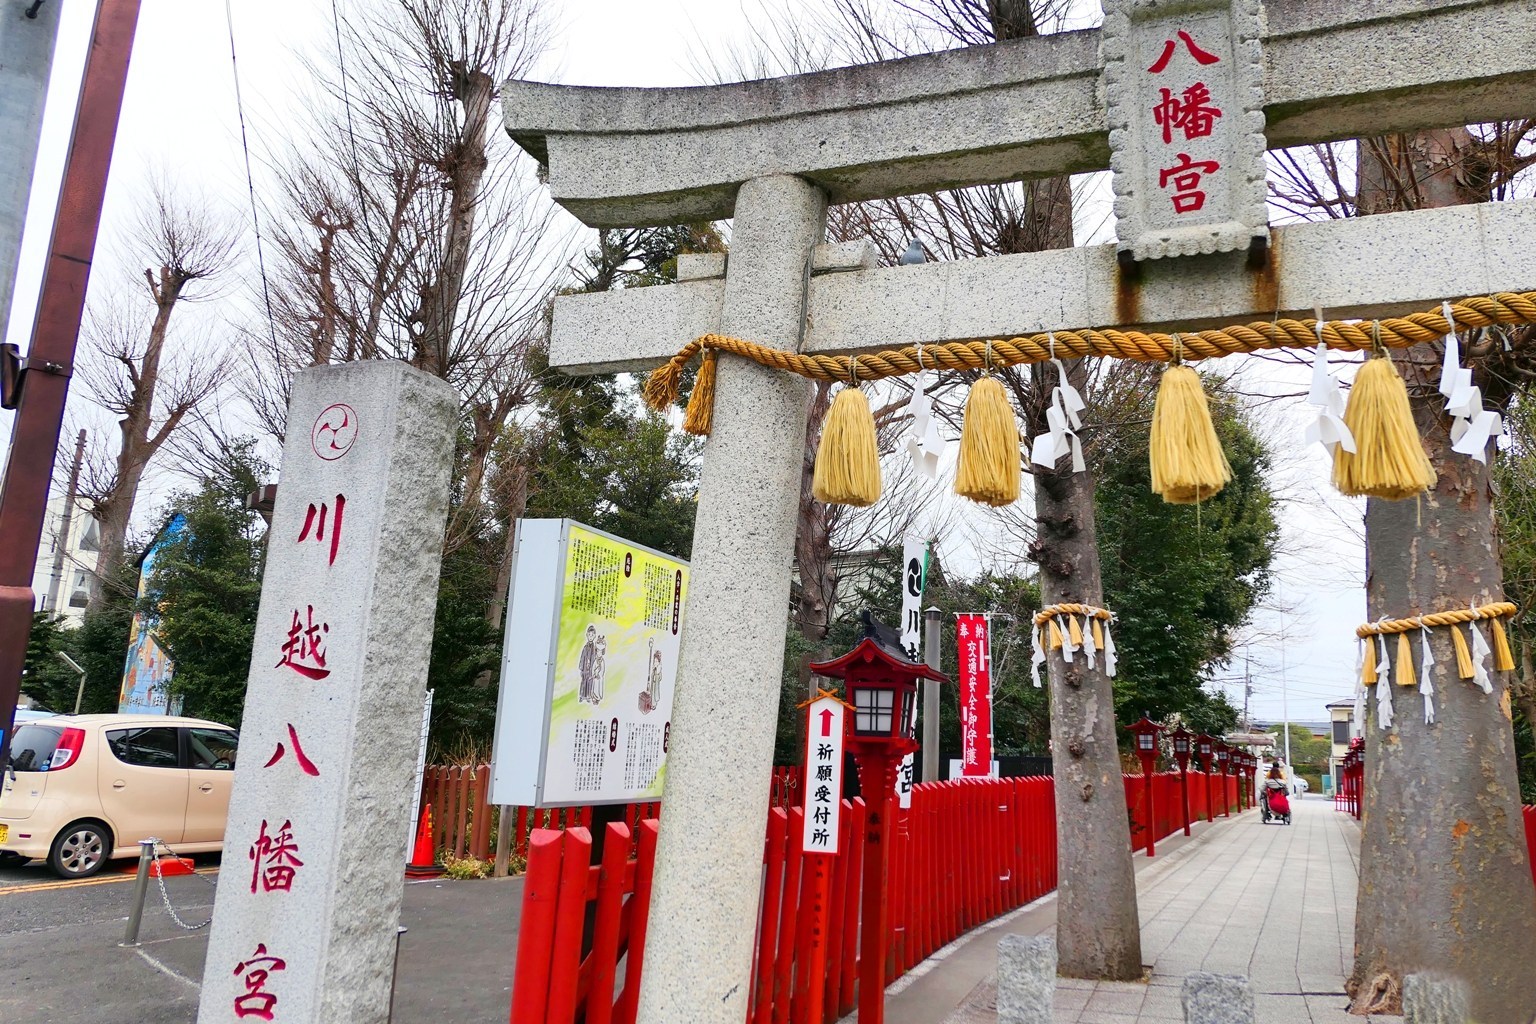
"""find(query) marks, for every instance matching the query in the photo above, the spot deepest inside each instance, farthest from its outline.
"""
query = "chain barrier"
(165, 897)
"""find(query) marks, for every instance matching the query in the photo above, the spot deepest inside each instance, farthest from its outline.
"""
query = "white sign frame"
(520, 753)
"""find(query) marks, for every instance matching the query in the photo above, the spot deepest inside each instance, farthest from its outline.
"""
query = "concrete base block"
(1026, 979)
(1217, 999)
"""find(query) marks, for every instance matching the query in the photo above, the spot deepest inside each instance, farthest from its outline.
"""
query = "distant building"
(1342, 713)
(62, 585)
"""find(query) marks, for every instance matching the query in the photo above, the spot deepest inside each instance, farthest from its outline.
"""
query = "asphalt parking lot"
(61, 962)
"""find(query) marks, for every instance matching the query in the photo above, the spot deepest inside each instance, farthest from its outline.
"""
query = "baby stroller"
(1274, 803)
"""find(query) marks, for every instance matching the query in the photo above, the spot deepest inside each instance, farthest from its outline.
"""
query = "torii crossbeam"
(772, 154)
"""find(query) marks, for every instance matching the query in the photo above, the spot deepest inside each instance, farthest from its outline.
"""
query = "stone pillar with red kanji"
(309, 896)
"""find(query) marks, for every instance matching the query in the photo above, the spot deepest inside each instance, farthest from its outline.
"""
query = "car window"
(212, 749)
(32, 747)
(149, 747)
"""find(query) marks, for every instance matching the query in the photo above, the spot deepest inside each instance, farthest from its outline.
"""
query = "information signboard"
(590, 657)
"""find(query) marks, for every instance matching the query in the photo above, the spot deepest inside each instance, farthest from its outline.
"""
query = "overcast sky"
(180, 119)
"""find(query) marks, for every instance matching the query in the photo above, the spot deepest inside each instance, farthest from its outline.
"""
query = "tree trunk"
(1098, 930)
(813, 539)
(464, 168)
(1098, 926)
(1444, 881)
(138, 445)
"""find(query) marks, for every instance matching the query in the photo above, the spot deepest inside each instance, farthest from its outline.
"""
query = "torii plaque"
(772, 153)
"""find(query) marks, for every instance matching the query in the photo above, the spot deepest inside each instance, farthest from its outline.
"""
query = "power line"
(250, 178)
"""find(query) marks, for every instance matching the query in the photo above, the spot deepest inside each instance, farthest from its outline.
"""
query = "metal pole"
(394, 978)
(61, 546)
(140, 890)
(932, 618)
(505, 822)
(75, 666)
(26, 61)
(51, 356)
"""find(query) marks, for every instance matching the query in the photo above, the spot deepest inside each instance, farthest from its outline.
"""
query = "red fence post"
(570, 919)
(768, 926)
(536, 928)
(637, 913)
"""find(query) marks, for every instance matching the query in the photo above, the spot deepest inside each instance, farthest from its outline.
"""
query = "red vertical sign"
(973, 639)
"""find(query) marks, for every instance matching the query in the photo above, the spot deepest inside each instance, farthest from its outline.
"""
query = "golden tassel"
(1463, 656)
(700, 419)
(847, 460)
(1074, 631)
(1368, 666)
(1188, 464)
(1503, 659)
(1389, 460)
(1055, 643)
(988, 471)
(1405, 673)
(1098, 635)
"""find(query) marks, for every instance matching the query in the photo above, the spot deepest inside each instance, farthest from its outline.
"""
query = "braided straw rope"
(1497, 610)
(1050, 611)
(1394, 332)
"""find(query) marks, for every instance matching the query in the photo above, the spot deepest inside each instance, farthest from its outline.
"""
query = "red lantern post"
(1224, 758)
(881, 687)
(1181, 744)
(1146, 732)
(1206, 745)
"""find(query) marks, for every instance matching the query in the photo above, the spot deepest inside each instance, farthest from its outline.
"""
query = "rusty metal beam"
(51, 356)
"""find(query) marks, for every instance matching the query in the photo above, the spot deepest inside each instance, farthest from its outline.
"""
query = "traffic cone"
(423, 862)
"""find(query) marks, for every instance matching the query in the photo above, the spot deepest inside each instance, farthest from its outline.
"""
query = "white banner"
(823, 775)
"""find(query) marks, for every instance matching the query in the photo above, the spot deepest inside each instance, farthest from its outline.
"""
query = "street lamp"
(881, 685)
(1223, 758)
(1146, 732)
(1182, 738)
(1206, 746)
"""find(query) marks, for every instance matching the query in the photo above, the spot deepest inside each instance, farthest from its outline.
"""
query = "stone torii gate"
(773, 154)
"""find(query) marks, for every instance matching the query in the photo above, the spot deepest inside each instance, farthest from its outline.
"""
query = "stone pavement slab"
(1274, 903)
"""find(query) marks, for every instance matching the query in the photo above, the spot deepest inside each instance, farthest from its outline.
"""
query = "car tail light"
(71, 741)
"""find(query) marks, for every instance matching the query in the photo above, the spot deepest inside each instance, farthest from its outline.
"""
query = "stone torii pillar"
(771, 152)
(726, 705)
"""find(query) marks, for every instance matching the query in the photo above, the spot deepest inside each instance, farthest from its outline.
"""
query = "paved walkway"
(1266, 901)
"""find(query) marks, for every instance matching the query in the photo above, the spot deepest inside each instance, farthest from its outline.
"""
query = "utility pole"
(1247, 690)
(932, 617)
(56, 580)
(51, 356)
(28, 32)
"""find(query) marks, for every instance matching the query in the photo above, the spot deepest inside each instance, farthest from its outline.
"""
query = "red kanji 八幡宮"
(1186, 175)
(276, 858)
(256, 1001)
(305, 764)
(1161, 64)
(1191, 113)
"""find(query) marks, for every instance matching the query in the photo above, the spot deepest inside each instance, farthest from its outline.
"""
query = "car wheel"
(80, 850)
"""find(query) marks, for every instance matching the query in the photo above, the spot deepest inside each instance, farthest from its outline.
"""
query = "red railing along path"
(967, 851)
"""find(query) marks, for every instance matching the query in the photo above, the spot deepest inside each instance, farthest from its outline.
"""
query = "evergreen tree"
(207, 585)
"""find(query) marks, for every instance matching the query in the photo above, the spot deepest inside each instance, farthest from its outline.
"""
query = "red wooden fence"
(462, 815)
(940, 888)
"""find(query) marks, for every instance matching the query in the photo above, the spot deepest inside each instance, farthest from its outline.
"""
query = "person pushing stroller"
(1273, 801)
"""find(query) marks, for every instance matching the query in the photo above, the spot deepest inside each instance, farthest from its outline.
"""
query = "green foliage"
(1514, 474)
(44, 677)
(1308, 753)
(207, 585)
(1181, 578)
(466, 652)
